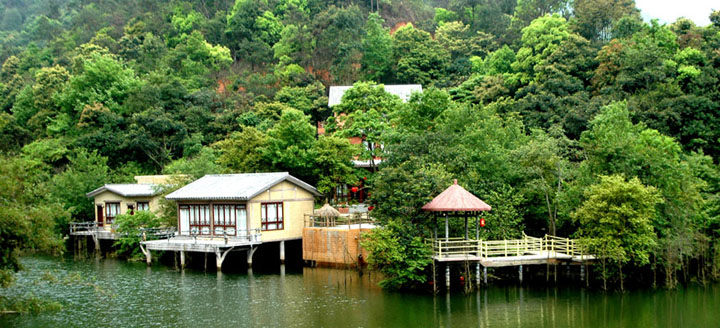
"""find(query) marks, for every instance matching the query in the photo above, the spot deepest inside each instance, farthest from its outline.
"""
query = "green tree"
(28, 217)
(616, 222)
(420, 58)
(595, 19)
(242, 151)
(130, 228)
(290, 144)
(85, 172)
(332, 164)
(401, 255)
(377, 47)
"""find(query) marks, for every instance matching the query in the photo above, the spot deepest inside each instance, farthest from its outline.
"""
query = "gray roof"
(401, 90)
(127, 190)
(235, 186)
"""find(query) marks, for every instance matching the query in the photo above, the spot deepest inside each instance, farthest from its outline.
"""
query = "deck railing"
(77, 227)
(313, 221)
(515, 247)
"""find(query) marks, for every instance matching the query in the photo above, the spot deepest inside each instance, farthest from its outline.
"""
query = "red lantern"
(482, 222)
(354, 189)
(364, 178)
(370, 208)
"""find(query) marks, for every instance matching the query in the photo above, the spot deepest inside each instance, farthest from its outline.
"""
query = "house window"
(143, 206)
(111, 211)
(198, 218)
(226, 217)
(272, 216)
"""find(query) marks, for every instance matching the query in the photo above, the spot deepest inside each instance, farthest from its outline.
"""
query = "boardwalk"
(500, 253)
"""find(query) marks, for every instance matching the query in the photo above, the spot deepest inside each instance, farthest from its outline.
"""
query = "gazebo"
(455, 201)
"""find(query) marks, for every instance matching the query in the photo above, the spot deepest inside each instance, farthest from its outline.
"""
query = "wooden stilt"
(485, 275)
(182, 260)
(520, 273)
(582, 272)
(477, 274)
(97, 243)
(447, 276)
(434, 278)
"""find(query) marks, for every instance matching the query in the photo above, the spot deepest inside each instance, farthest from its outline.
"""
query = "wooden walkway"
(501, 253)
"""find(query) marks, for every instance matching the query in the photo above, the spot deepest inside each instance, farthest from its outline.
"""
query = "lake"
(114, 293)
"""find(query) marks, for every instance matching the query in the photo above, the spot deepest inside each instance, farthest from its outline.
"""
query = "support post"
(220, 257)
(477, 274)
(485, 275)
(250, 253)
(96, 240)
(582, 272)
(148, 257)
(447, 276)
(182, 260)
(520, 272)
(282, 252)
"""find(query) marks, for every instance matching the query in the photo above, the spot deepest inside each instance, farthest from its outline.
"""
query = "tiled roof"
(456, 199)
(235, 186)
(127, 190)
(401, 90)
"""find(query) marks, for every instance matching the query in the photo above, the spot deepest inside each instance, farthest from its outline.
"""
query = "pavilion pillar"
(282, 252)
(447, 229)
(466, 227)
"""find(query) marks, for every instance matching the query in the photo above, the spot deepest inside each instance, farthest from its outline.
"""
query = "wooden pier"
(501, 253)
(506, 253)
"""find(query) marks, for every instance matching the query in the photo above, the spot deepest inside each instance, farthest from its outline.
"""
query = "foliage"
(401, 257)
(130, 229)
(527, 103)
(616, 221)
(28, 217)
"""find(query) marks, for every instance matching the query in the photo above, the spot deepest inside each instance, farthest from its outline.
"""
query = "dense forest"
(573, 118)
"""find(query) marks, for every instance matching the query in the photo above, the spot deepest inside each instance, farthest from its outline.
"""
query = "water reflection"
(113, 293)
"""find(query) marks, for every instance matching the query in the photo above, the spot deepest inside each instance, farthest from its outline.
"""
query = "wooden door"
(100, 214)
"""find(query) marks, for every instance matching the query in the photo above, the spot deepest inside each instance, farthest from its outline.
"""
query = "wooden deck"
(502, 253)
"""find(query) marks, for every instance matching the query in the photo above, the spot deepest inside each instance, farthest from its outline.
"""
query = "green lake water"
(112, 293)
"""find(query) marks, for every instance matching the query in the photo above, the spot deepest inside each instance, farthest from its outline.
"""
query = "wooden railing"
(514, 247)
(314, 221)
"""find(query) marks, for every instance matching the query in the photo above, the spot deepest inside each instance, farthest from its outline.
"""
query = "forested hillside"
(568, 117)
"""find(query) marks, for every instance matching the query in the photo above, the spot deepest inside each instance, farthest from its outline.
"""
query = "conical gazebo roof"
(327, 211)
(456, 199)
